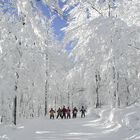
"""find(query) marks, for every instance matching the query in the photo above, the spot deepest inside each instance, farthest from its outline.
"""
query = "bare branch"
(93, 7)
(58, 13)
(137, 48)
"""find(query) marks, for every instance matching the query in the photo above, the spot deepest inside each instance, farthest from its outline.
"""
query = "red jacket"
(64, 110)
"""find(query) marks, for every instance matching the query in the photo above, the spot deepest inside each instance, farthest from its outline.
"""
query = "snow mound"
(128, 117)
(131, 118)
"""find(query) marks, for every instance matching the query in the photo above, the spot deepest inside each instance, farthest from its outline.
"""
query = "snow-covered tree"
(28, 59)
(101, 42)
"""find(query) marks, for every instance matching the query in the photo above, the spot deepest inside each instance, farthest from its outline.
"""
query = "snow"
(101, 69)
(99, 124)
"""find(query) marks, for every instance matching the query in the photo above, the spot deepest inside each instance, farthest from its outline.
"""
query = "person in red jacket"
(68, 113)
(64, 111)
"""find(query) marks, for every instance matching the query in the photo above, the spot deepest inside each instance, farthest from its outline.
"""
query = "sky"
(58, 22)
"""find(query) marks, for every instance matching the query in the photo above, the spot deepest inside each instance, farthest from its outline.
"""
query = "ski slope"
(121, 124)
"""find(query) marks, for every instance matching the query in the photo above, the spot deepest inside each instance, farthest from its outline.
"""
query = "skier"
(59, 113)
(83, 110)
(68, 113)
(74, 112)
(51, 113)
(64, 110)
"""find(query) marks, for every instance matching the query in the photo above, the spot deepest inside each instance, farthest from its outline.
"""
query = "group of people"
(65, 113)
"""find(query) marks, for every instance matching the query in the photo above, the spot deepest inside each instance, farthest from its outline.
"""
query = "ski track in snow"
(72, 129)
(121, 124)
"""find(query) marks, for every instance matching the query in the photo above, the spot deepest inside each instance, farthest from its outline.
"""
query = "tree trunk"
(98, 79)
(109, 10)
(97, 93)
(16, 87)
(15, 99)
(15, 110)
(68, 99)
(116, 102)
(46, 85)
(46, 103)
(55, 102)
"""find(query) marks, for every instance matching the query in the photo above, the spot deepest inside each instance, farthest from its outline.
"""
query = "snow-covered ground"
(117, 124)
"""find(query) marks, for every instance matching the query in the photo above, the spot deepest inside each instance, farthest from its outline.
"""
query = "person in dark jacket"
(74, 112)
(68, 113)
(59, 113)
(64, 111)
(51, 113)
(83, 110)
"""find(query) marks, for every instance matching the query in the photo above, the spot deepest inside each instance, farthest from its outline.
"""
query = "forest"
(94, 63)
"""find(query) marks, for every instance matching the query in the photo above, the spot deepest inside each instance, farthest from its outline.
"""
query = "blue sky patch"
(58, 22)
